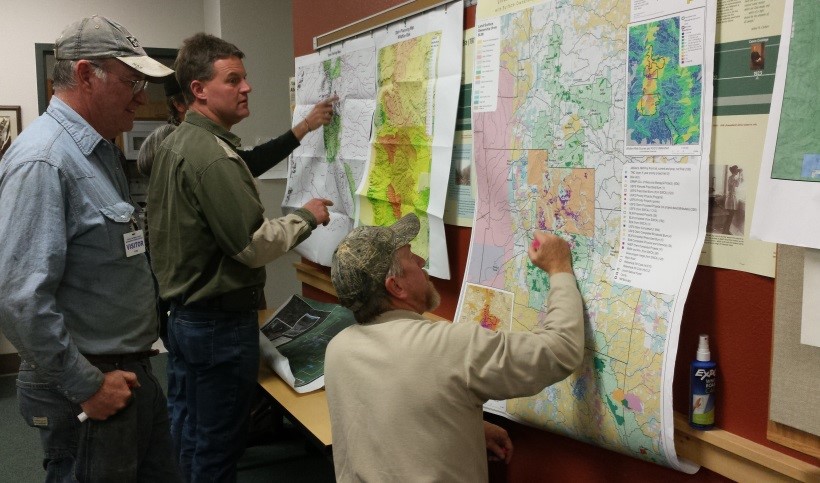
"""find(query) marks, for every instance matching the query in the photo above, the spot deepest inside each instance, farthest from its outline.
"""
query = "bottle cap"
(703, 348)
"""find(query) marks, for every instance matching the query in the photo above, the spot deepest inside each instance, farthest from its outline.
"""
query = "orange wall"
(734, 308)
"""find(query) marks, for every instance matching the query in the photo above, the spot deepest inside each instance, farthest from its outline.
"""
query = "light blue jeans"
(219, 353)
(134, 445)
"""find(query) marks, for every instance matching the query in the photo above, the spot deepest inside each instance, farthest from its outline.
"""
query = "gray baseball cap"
(363, 258)
(97, 37)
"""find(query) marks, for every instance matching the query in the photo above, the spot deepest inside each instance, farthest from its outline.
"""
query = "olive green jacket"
(208, 235)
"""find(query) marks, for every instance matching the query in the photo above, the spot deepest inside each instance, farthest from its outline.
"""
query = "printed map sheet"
(330, 161)
(591, 120)
(293, 341)
(418, 79)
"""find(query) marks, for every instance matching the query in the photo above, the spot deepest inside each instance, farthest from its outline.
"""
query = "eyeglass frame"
(135, 83)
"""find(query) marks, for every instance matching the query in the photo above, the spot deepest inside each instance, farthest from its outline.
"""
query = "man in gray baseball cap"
(97, 37)
(403, 389)
(77, 297)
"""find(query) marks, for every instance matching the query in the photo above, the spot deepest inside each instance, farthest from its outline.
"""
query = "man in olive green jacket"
(209, 244)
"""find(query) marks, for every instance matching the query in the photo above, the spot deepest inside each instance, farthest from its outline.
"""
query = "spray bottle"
(702, 385)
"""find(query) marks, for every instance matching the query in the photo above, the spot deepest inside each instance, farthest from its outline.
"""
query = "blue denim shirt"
(66, 285)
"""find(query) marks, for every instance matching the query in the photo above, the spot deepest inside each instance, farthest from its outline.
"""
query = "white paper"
(660, 218)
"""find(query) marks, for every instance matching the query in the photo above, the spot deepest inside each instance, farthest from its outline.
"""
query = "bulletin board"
(795, 386)
(735, 308)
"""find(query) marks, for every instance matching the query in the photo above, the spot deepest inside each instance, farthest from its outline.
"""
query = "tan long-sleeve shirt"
(406, 393)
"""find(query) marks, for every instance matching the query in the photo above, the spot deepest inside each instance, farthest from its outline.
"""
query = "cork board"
(795, 384)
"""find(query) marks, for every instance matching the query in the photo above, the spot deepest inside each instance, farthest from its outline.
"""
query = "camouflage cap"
(363, 258)
(97, 37)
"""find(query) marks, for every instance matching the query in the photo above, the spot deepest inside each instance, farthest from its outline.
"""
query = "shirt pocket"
(118, 222)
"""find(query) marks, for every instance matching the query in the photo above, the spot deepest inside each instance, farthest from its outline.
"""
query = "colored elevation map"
(398, 181)
(663, 103)
(550, 158)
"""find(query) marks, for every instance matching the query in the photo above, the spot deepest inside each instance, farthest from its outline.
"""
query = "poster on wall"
(418, 81)
(330, 161)
(459, 206)
(746, 52)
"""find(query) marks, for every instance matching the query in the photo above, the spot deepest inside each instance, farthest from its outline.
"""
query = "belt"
(234, 301)
(120, 358)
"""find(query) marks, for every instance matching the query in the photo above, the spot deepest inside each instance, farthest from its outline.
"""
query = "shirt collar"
(86, 137)
(395, 314)
(199, 120)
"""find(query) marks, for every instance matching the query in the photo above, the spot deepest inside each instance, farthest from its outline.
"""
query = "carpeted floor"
(281, 456)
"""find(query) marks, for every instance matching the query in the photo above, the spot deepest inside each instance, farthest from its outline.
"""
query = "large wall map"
(578, 82)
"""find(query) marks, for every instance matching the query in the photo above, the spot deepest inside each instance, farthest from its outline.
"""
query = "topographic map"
(398, 180)
(550, 156)
(330, 161)
(663, 104)
(418, 79)
(388, 147)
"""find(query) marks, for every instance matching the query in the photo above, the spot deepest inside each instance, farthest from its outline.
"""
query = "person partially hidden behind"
(209, 246)
(77, 298)
(406, 393)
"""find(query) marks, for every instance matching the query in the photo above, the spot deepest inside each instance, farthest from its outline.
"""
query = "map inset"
(550, 158)
(491, 308)
(664, 98)
(398, 181)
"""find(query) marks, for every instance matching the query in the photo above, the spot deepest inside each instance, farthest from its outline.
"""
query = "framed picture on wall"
(10, 126)
(155, 108)
(133, 139)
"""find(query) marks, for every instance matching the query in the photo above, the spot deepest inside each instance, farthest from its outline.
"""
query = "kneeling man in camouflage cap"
(406, 393)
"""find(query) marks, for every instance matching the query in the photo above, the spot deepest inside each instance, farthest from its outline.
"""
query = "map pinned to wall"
(330, 161)
(418, 83)
(790, 169)
(591, 121)
(665, 87)
(388, 148)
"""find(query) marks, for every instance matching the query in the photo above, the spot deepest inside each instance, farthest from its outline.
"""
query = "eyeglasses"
(137, 85)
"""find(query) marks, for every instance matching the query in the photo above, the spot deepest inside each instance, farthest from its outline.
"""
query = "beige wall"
(262, 29)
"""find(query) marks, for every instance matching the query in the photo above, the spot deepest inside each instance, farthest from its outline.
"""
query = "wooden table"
(307, 411)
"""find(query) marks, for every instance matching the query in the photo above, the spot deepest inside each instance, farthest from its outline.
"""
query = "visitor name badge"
(134, 243)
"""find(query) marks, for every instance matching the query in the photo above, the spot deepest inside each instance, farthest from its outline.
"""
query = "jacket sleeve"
(504, 365)
(267, 155)
(228, 199)
(276, 237)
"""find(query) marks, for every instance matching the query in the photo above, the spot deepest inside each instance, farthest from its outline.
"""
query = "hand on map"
(318, 207)
(550, 253)
(321, 114)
